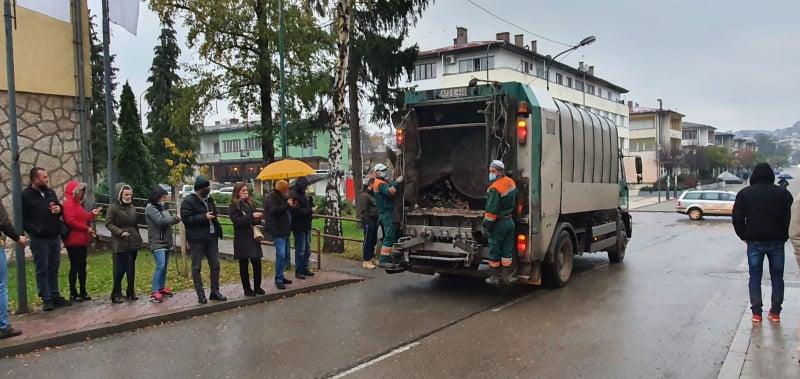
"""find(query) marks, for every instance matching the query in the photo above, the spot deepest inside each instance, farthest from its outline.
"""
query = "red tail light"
(522, 244)
(400, 137)
(522, 131)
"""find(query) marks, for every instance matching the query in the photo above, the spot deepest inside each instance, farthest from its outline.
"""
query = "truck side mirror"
(638, 166)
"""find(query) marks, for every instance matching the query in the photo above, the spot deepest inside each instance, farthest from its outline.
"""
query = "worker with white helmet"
(501, 200)
(384, 200)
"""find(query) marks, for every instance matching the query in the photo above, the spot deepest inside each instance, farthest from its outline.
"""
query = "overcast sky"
(733, 64)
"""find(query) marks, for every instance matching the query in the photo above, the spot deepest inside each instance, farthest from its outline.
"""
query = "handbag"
(64, 232)
(258, 233)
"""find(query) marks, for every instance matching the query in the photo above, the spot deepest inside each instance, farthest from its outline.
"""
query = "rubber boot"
(496, 278)
(507, 271)
(385, 262)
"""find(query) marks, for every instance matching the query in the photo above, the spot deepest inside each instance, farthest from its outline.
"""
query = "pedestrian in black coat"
(246, 249)
(302, 215)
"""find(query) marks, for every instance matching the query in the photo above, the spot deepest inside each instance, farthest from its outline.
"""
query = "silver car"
(697, 204)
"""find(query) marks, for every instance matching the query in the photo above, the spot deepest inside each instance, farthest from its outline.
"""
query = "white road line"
(376, 360)
(510, 303)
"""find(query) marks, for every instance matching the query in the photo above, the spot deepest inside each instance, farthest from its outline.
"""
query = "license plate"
(452, 92)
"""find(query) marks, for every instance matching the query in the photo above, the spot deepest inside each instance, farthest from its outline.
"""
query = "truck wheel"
(616, 254)
(695, 214)
(559, 271)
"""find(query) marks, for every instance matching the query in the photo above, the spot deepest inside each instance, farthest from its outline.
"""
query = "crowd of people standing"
(50, 222)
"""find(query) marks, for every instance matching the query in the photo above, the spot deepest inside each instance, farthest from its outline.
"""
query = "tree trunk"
(335, 174)
(355, 127)
(265, 85)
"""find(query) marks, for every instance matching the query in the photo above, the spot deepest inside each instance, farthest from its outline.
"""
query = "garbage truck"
(567, 163)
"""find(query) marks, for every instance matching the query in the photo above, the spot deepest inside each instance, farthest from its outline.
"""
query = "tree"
(133, 159)
(162, 98)
(238, 46)
(97, 104)
(333, 226)
(377, 62)
(670, 157)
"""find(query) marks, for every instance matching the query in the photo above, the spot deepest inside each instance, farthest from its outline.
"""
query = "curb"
(98, 331)
(737, 352)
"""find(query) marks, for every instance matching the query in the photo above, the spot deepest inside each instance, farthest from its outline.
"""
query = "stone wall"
(49, 137)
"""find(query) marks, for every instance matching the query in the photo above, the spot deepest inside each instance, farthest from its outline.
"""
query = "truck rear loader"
(566, 161)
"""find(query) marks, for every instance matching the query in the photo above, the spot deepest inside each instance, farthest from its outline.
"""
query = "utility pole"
(85, 132)
(658, 147)
(111, 180)
(281, 53)
(16, 185)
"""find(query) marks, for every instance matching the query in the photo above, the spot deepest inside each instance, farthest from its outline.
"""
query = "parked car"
(186, 190)
(226, 191)
(697, 204)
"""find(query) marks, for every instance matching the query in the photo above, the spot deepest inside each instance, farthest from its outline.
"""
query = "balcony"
(208, 158)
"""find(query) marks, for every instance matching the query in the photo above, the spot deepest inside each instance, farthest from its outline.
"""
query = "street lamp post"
(548, 60)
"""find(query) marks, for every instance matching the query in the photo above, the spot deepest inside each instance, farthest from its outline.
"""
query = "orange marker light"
(400, 137)
(522, 131)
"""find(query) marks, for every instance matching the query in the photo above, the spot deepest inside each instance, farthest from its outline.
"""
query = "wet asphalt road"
(669, 311)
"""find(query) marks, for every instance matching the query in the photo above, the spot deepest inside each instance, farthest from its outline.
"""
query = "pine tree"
(97, 104)
(162, 98)
(133, 159)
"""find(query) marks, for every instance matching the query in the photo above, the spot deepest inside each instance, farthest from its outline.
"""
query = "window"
(231, 145)
(727, 197)
(643, 144)
(540, 69)
(525, 66)
(579, 85)
(476, 64)
(692, 196)
(310, 143)
(216, 147)
(425, 71)
(252, 144)
(590, 89)
(710, 196)
(569, 82)
(560, 79)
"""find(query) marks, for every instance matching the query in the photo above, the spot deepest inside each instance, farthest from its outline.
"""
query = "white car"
(226, 191)
(186, 190)
(697, 204)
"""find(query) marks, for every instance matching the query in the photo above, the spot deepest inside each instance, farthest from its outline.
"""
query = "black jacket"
(36, 217)
(762, 211)
(302, 214)
(278, 219)
(245, 245)
(6, 227)
(193, 215)
(367, 211)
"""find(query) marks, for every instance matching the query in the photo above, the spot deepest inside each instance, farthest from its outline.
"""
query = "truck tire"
(559, 271)
(616, 254)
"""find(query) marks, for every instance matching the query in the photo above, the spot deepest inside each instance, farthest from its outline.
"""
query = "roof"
(646, 110)
(483, 45)
(692, 125)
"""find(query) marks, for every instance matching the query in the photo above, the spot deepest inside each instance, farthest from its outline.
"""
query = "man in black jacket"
(279, 225)
(41, 219)
(203, 232)
(301, 227)
(368, 213)
(761, 216)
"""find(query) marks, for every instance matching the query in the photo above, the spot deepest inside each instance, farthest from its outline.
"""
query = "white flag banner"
(124, 13)
(59, 9)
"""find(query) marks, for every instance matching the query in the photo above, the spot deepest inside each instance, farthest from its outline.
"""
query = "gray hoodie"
(159, 231)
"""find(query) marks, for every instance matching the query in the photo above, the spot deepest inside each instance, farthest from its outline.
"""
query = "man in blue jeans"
(6, 228)
(278, 226)
(761, 216)
(301, 214)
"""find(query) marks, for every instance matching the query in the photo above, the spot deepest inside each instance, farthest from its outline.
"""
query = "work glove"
(399, 179)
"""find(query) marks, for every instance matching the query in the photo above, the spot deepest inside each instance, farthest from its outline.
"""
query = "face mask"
(204, 192)
(492, 177)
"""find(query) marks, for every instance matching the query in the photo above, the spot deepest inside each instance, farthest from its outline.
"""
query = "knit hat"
(201, 182)
(498, 165)
(281, 186)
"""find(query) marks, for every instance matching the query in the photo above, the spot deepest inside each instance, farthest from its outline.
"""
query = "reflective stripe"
(489, 216)
(503, 186)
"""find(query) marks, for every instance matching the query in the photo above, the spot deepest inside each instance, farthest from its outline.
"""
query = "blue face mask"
(492, 176)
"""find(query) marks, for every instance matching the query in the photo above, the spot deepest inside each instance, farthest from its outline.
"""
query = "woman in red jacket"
(77, 220)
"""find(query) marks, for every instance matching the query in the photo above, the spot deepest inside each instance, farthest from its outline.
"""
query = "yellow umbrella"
(285, 169)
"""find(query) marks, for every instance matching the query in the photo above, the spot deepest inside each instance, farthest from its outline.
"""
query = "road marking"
(364, 365)
(512, 302)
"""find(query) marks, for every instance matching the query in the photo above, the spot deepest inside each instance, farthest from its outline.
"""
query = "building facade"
(504, 60)
(232, 151)
(652, 130)
(697, 135)
(48, 114)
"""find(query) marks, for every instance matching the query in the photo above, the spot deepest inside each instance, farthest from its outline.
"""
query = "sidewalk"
(651, 204)
(769, 349)
(99, 317)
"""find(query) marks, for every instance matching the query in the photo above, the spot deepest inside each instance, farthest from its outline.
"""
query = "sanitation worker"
(501, 198)
(384, 200)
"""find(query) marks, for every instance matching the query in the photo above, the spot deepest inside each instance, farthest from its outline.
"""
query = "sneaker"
(286, 281)
(774, 317)
(48, 306)
(259, 291)
(300, 275)
(368, 265)
(86, 297)
(312, 259)
(166, 291)
(9, 332)
(308, 273)
(280, 285)
(61, 302)
(216, 296)
(757, 317)
(249, 293)
(156, 297)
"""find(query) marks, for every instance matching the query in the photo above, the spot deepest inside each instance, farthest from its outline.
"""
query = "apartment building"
(652, 130)
(697, 135)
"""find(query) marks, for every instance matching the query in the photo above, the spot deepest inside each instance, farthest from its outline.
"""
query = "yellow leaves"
(178, 164)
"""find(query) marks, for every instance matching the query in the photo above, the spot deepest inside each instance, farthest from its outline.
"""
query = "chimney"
(504, 36)
(234, 121)
(461, 36)
(519, 40)
(580, 66)
(216, 123)
(630, 105)
(533, 46)
(590, 71)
